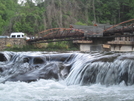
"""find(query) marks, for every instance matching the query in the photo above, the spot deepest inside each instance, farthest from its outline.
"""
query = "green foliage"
(7, 11)
(65, 16)
(24, 48)
(61, 46)
(58, 46)
(68, 13)
(53, 46)
(32, 18)
(58, 3)
(80, 23)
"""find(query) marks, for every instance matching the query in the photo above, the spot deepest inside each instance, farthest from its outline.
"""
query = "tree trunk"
(94, 11)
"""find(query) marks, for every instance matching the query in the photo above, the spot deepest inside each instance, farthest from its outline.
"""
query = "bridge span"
(78, 32)
(93, 35)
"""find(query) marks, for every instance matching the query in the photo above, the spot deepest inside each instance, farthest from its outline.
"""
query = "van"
(17, 35)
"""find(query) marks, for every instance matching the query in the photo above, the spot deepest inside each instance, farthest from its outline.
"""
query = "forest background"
(32, 17)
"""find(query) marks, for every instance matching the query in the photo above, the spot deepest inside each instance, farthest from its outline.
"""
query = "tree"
(32, 17)
(7, 12)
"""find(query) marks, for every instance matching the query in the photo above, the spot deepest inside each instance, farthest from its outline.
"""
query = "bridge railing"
(78, 31)
(58, 33)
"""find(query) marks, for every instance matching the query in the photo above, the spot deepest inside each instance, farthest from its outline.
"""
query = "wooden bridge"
(77, 32)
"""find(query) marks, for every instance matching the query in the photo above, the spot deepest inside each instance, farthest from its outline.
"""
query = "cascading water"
(107, 70)
(40, 76)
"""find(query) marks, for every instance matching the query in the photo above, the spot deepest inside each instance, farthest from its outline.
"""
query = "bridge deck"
(81, 32)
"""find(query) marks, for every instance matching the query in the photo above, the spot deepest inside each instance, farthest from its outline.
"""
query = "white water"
(50, 90)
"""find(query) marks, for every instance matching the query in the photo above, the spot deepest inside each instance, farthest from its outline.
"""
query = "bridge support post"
(91, 47)
(122, 48)
(123, 44)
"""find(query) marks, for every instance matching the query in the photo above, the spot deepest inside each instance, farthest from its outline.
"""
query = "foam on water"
(92, 77)
(50, 90)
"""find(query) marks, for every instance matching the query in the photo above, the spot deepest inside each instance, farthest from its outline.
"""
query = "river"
(73, 76)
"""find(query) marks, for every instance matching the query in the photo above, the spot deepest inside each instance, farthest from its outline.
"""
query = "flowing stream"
(42, 76)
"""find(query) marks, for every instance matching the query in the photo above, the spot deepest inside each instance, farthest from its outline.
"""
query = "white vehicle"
(17, 35)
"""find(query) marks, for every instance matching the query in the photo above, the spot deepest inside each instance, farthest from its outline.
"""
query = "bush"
(80, 23)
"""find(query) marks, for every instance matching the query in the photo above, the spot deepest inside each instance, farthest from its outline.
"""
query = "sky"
(34, 1)
(19, 1)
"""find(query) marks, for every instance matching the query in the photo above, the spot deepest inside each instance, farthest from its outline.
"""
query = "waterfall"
(73, 68)
(106, 70)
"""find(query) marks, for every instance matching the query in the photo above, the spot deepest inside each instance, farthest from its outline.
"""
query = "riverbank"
(57, 46)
